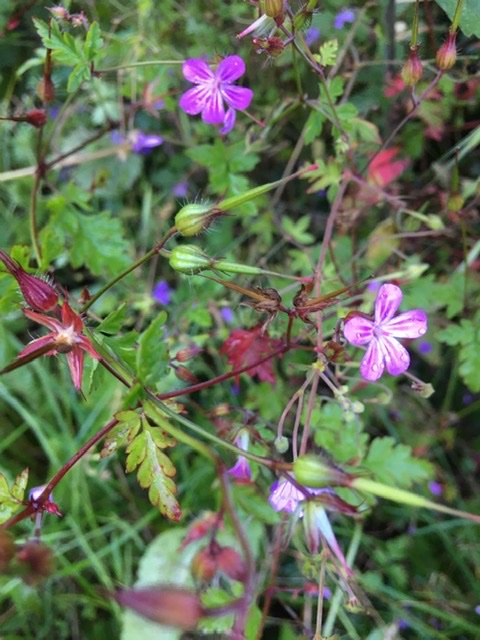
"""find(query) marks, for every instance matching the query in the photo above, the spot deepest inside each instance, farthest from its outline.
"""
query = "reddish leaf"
(248, 346)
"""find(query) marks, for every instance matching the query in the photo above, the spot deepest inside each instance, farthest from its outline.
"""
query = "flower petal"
(197, 71)
(84, 343)
(75, 364)
(388, 300)
(214, 111)
(193, 101)
(230, 69)
(411, 324)
(237, 97)
(372, 365)
(229, 121)
(397, 359)
(358, 330)
(40, 318)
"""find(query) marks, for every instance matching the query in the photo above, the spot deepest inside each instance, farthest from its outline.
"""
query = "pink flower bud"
(36, 117)
(37, 293)
(447, 54)
(412, 69)
(38, 561)
(170, 605)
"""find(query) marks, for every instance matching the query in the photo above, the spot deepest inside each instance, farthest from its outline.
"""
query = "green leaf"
(97, 242)
(152, 352)
(93, 42)
(11, 497)
(339, 433)
(114, 321)
(394, 464)
(313, 126)
(328, 53)
(467, 335)
(124, 432)
(155, 474)
(155, 470)
(470, 16)
(297, 229)
(454, 334)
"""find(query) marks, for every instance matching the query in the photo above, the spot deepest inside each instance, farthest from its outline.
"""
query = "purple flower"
(341, 19)
(380, 334)
(161, 292)
(213, 89)
(180, 190)
(436, 488)
(312, 34)
(241, 469)
(284, 496)
(140, 142)
(227, 315)
(143, 143)
(424, 346)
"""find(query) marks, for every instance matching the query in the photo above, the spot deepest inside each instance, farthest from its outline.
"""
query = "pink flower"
(213, 89)
(380, 334)
(66, 337)
(385, 169)
(241, 471)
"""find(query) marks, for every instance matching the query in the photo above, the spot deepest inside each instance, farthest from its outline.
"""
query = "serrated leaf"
(455, 334)
(297, 229)
(136, 451)
(11, 498)
(152, 352)
(313, 126)
(125, 431)
(160, 434)
(114, 321)
(328, 53)
(93, 42)
(155, 473)
(394, 464)
(98, 242)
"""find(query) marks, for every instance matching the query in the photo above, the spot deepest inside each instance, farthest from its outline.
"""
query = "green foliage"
(394, 463)
(469, 17)
(70, 51)
(465, 336)
(11, 497)
(328, 53)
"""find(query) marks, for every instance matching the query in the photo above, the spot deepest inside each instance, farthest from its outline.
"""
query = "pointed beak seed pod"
(447, 54)
(194, 218)
(412, 69)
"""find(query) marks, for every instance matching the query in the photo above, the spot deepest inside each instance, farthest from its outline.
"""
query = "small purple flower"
(140, 142)
(477, 609)
(424, 346)
(380, 334)
(180, 190)
(213, 89)
(161, 292)
(227, 315)
(241, 469)
(344, 17)
(312, 34)
(143, 143)
(436, 489)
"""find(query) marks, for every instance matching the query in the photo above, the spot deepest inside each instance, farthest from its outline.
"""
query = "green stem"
(407, 497)
(145, 63)
(456, 17)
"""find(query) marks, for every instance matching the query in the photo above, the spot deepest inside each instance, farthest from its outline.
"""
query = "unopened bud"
(274, 8)
(194, 218)
(204, 565)
(170, 605)
(59, 12)
(412, 69)
(281, 444)
(188, 258)
(45, 89)
(38, 561)
(187, 354)
(231, 563)
(185, 375)
(37, 293)
(36, 117)
(447, 54)
(312, 471)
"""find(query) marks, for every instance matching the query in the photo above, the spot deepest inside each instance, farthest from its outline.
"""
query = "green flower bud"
(274, 8)
(187, 258)
(194, 218)
(312, 471)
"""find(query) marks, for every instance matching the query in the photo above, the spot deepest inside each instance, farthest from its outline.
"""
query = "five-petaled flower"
(213, 89)
(66, 337)
(383, 350)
